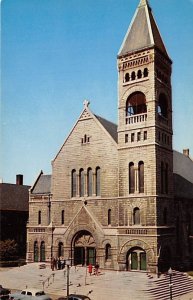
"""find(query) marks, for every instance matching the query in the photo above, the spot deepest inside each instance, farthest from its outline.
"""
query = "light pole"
(170, 284)
(68, 275)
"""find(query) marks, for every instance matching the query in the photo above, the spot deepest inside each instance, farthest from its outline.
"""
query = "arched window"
(39, 217)
(42, 252)
(136, 104)
(60, 249)
(131, 178)
(133, 75)
(98, 181)
(162, 108)
(165, 216)
(73, 183)
(141, 176)
(81, 182)
(62, 217)
(136, 216)
(107, 251)
(36, 251)
(139, 74)
(127, 77)
(145, 72)
(89, 182)
(109, 216)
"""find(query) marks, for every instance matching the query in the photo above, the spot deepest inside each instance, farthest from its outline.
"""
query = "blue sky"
(56, 53)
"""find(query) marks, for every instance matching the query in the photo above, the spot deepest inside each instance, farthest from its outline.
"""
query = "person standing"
(97, 269)
(90, 269)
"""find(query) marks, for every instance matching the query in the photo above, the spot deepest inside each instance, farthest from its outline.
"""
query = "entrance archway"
(84, 248)
(136, 259)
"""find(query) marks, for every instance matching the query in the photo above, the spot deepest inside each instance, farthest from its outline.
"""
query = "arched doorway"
(136, 259)
(36, 252)
(164, 262)
(84, 248)
(42, 252)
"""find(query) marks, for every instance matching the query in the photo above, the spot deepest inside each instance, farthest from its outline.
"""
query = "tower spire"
(143, 32)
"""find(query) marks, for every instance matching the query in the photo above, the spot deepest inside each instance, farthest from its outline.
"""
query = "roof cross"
(86, 103)
(143, 2)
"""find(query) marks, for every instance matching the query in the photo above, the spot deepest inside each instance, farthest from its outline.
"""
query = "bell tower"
(145, 120)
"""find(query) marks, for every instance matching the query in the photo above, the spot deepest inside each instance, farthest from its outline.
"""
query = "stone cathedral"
(119, 194)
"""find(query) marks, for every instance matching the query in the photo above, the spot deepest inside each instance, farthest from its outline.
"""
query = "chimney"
(186, 152)
(19, 179)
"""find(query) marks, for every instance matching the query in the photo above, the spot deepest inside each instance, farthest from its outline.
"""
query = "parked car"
(4, 293)
(75, 297)
(29, 294)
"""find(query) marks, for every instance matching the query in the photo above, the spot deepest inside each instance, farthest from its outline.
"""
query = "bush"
(8, 250)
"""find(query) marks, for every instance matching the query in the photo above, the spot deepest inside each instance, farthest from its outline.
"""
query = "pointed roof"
(42, 184)
(143, 32)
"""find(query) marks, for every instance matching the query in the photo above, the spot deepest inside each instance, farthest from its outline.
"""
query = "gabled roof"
(143, 32)
(109, 126)
(14, 197)
(42, 184)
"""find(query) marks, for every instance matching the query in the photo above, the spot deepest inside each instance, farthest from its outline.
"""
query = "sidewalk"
(108, 285)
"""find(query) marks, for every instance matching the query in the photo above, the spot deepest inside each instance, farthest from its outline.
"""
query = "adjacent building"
(119, 194)
(14, 207)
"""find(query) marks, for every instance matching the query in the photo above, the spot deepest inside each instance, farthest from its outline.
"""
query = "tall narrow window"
(109, 216)
(162, 108)
(73, 184)
(136, 216)
(36, 252)
(108, 251)
(166, 178)
(131, 178)
(42, 252)
(141, 176)
(81, 184)
(162, 177)
(39, 217)
(60, 249)
(89, 182)
(62, 217)
(127, 77)
(98, 183)
(139, 74)
(145, 72)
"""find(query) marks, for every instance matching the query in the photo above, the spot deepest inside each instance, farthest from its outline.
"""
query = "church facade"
(113, 196)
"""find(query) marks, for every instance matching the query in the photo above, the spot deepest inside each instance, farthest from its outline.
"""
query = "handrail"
(48, 280)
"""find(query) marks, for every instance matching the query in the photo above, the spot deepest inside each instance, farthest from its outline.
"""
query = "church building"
(119, 194)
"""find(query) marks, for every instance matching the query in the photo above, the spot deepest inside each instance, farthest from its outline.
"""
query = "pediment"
(84, 220)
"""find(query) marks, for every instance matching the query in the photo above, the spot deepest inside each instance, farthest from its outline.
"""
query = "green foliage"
(8, 250)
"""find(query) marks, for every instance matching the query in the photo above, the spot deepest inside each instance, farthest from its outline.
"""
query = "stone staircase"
(160, 288)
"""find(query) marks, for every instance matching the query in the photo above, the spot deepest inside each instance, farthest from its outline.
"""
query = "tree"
(8, 250)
